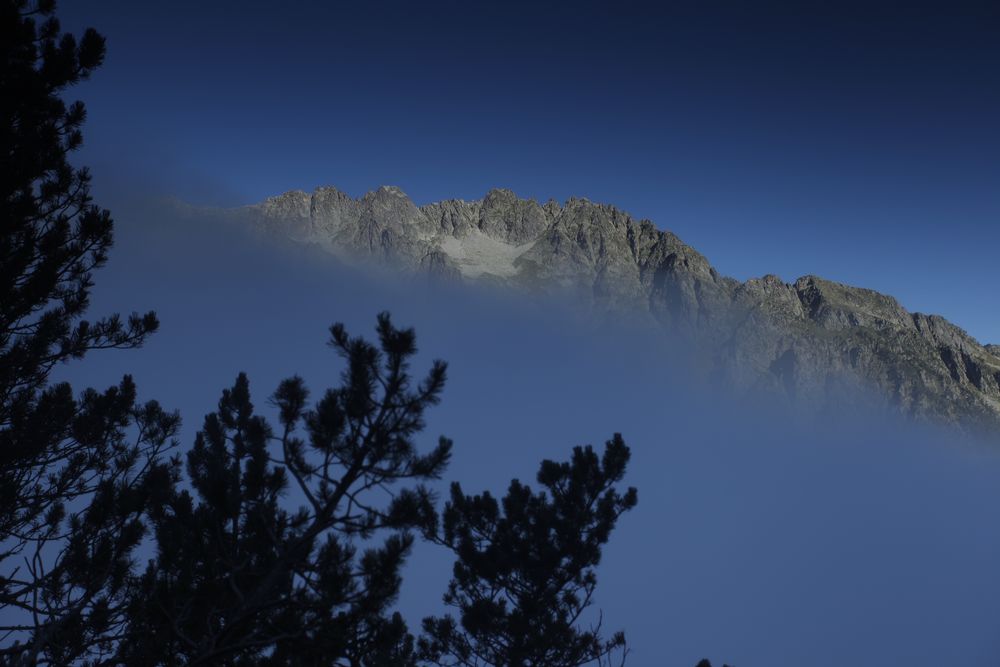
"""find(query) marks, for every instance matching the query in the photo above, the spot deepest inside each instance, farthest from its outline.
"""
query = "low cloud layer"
(762, 536)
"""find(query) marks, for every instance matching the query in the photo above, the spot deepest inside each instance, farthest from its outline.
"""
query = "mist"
(762, 536)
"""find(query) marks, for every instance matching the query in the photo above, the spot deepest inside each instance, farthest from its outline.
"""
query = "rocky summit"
(806, 340)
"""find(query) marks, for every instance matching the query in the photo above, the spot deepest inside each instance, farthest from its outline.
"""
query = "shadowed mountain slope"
(811, 340)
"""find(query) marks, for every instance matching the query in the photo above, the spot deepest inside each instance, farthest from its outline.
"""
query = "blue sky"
(857, 141)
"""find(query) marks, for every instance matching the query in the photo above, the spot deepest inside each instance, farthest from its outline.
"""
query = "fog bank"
(762, 536)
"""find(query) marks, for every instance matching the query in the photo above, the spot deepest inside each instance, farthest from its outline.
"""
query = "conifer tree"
(245, 576)
(77, 472)
(524, 574)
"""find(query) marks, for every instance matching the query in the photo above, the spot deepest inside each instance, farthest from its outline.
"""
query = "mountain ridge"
(807, 339)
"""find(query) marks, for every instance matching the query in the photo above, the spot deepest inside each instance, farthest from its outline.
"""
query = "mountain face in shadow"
(812, 340)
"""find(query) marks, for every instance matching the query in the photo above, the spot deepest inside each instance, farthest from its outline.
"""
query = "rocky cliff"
(807, 340)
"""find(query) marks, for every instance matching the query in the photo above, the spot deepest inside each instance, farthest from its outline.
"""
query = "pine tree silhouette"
(77, 473)
(240, 578)
(525, 568)
(705, 663)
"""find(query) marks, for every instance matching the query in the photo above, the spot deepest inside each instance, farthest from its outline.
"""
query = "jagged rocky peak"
(799, 338)
(328, 199)
(771, 294)
(389, 198)
(389, 206)
(838, 306)
(331, 211)
(292, 204)
(452, 217)
(515, 221)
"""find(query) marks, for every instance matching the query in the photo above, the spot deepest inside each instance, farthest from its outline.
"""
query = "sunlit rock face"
(808, 340)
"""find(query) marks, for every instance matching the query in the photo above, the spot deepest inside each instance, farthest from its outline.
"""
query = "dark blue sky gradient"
(858, 141)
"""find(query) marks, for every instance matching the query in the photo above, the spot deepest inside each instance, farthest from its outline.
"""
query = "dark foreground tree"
(77, 473)
(241, 579)
(525, 570)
